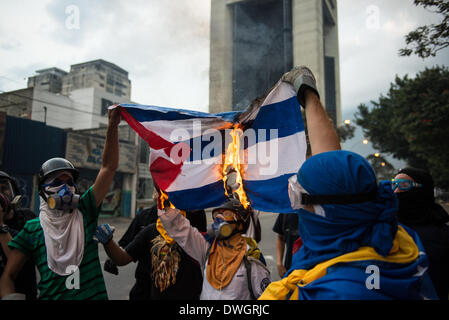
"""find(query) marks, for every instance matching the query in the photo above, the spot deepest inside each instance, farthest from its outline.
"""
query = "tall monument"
(253, 42)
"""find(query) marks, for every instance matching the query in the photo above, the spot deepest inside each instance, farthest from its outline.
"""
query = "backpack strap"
(248, 277)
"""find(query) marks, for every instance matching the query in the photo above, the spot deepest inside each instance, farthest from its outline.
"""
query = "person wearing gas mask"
(353, 247)
(60, 242)
(12, 221)
(166, 272)
(419, 211)
(232, 265)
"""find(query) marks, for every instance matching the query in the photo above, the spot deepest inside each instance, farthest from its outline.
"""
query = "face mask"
(220, 229)
(62, 198)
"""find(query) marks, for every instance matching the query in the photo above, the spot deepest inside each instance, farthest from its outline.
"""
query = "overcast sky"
(165, 45)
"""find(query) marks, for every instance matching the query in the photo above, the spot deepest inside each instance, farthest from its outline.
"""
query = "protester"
(140, 290)
(146, 217)
(286, 227)
(171, 273)
(352, 246)
(60, 242)
(418, 210)
(231, 264)
(12, 221)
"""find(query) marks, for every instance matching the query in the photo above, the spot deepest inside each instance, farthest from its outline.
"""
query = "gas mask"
(14, 201)
(61, 196)
(220, 229)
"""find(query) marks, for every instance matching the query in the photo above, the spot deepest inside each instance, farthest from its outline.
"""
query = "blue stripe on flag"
(269, 195)
(284, 116)
(209, 196)
(153, 113)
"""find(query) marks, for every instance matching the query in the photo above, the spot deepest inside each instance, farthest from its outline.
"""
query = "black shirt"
(188, 278)
(435, 239)
(144, 218)
(25, 282)
(141, 289)
(286, 225)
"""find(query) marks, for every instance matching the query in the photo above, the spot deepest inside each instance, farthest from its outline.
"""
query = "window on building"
(259, 43)
(144, 152)
(145, 188)
(330, 89)
(104, 106)
(110, 80)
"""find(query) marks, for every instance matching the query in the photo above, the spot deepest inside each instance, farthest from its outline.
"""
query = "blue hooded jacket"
(345, 228)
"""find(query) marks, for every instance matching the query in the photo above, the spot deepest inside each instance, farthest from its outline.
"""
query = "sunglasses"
(404, 184)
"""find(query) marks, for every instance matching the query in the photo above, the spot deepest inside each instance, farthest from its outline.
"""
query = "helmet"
(235, 206)
(15, 187)
(54, 165)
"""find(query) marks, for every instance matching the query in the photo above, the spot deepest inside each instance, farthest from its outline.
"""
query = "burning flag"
(199, 159)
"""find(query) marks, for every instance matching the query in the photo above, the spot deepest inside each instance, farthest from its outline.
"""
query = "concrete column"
(220, 91)
(331, 49)
(308, 44)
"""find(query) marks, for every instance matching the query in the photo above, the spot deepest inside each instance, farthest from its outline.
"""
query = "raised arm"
(186, 236)
(322, 134)
(110, 158)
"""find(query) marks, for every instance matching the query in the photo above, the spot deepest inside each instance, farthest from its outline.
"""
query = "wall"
(27, 145)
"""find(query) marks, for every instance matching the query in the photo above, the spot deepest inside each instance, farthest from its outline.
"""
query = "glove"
(301, 78)
(111, 267)
(103, 233)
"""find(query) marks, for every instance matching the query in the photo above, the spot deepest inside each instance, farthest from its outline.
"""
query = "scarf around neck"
(224, 259)
(64, 238)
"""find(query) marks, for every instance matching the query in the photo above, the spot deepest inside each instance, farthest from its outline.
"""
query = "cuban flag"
(187, 150)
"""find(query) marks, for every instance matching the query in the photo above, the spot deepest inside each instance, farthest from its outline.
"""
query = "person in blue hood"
(353, 247)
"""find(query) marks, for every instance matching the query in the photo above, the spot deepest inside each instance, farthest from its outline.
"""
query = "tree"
(345, 132)
(427, 40)
(411, 122)
(384, 170)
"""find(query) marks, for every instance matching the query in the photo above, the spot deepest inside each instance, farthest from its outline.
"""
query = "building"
(47, 80)
(75, 105)
(254, 42)
(78, 99)
(98, 74)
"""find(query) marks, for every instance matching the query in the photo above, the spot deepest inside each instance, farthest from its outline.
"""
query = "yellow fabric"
(162, 232)
(253, 250)
(224, 259)
(404, 251)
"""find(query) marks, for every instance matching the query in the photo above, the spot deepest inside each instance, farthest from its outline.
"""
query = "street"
(118, 287)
